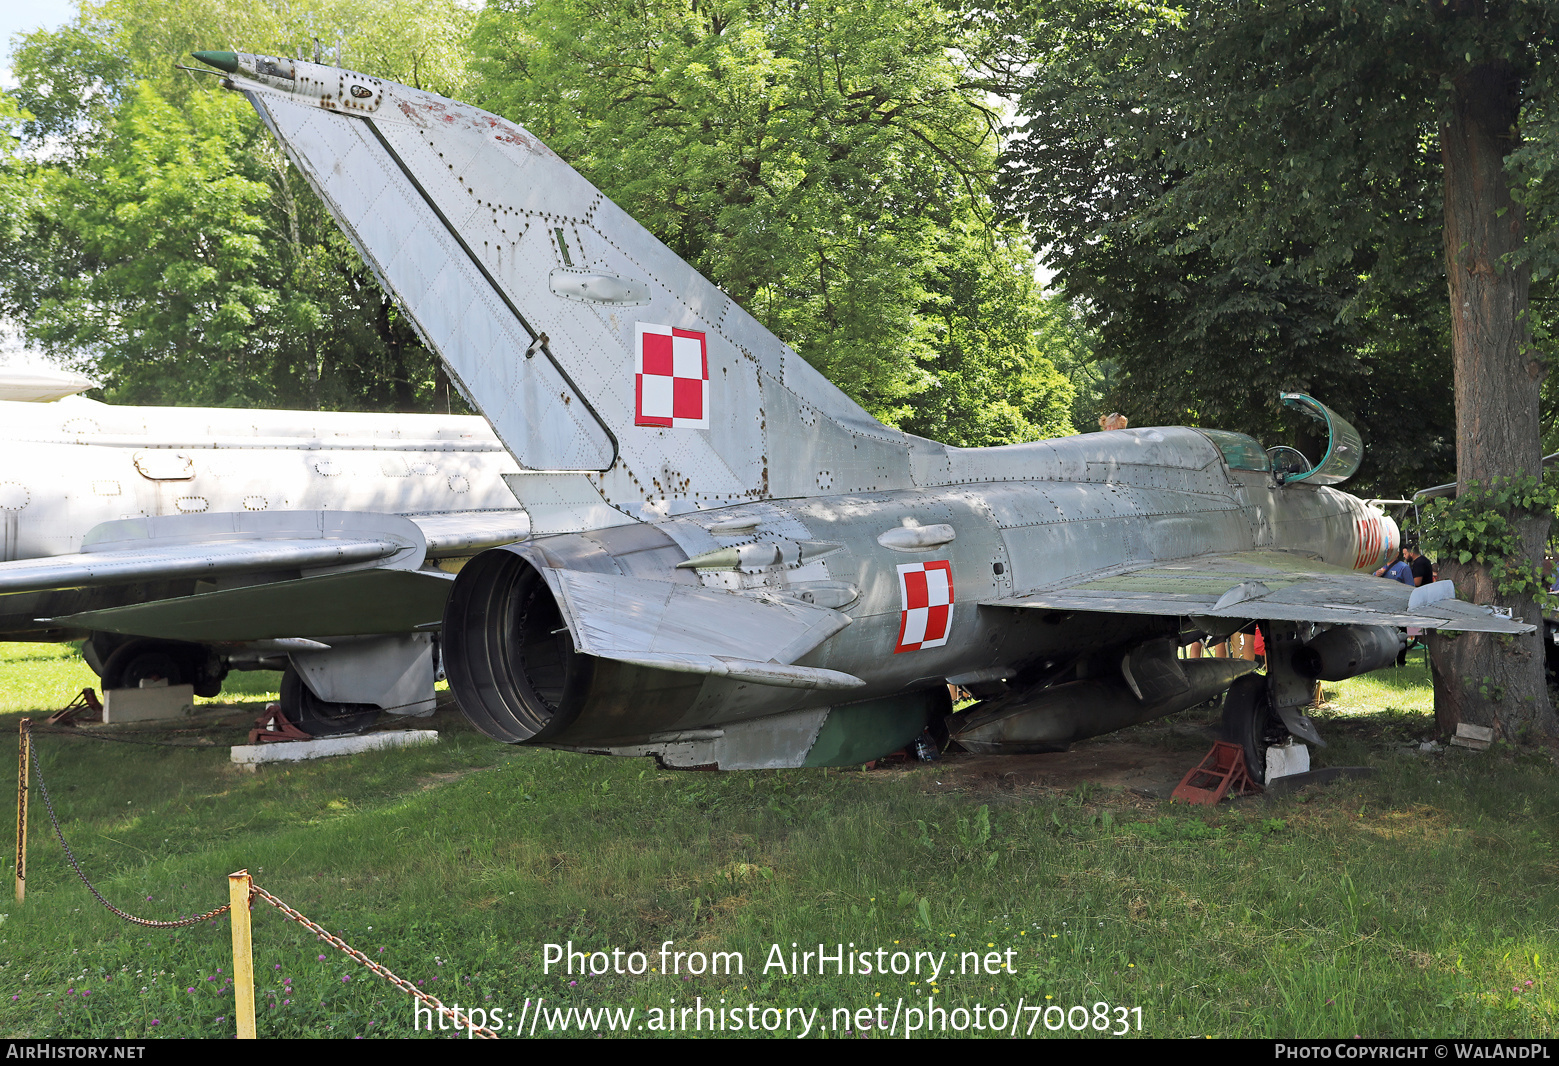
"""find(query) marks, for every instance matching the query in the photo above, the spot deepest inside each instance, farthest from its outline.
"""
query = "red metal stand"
(1222, 771)
(273, 725)
(85, 703)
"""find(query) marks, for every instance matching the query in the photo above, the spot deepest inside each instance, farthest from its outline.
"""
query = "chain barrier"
(400, 983)
(254, 890)
(132, 737)
(48, 804)
(203, 744)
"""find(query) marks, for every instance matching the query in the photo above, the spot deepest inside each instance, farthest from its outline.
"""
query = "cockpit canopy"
(1344, 449)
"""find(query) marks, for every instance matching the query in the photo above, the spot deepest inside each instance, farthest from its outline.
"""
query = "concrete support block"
(252, 756)
(148, 704)
(1290, 757)
(1476, 737)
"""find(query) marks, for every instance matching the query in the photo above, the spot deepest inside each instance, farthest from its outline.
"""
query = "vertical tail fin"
(625, 383)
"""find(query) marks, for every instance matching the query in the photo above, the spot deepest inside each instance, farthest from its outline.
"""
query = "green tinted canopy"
(1344, 449)
(1239, 451)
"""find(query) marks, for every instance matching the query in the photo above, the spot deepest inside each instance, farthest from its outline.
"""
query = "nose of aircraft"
(227, 61)
(1376, 539)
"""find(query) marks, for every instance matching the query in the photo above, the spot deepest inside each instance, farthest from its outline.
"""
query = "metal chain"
(254, 890)
(121, 739)
(49, 805)
(403, 985)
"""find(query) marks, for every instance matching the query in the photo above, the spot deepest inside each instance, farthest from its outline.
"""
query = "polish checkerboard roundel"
(670, 377)
(926, 592)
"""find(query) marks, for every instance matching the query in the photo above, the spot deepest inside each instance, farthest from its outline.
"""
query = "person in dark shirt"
(1397, 570)
(1422, 574)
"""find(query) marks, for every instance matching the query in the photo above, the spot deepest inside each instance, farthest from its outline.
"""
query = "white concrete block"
(148, 704)
(251, 756)
(1290, 757)
(1476, 737)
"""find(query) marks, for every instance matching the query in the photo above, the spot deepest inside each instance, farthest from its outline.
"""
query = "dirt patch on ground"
(1147, 761)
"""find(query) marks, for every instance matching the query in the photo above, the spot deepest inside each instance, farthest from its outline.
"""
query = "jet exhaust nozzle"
(507, 651)
(1081, 709)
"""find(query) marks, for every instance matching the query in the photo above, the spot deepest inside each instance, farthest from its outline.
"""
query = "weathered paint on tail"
(624, 383)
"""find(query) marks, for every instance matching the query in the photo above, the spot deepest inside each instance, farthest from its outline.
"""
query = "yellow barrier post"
(23, 761)
(243, 956)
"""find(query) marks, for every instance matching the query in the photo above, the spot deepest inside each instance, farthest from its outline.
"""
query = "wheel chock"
(273, 726)
(86, 703)
(1220, 773)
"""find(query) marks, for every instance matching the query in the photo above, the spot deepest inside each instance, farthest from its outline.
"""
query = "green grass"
(45, 677)
(1420, 901)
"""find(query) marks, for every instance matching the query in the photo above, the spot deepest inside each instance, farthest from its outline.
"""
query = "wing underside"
(1272, 586)
(221, 545)
(355, 602)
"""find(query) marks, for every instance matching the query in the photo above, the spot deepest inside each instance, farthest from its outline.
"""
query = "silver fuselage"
(75, 463)
(1067, 510)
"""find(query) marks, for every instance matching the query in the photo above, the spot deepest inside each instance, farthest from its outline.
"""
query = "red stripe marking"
(936, 624)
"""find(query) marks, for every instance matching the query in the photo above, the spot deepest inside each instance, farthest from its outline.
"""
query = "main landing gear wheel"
(321, 718)
(1250, 722)
(142, 660)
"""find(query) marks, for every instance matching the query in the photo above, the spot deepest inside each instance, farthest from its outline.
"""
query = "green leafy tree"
(416, 42)
(829, 165)
(1277, 189)
(155, 231)
(832, 170)
(169, 242)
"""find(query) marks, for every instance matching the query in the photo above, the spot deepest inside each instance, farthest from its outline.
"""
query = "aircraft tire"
(321, 718)
(1249, 722)
(141, 660)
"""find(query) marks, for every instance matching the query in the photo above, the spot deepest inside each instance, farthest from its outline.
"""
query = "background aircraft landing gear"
(321, 718)
(133, 661)
(1250, 722)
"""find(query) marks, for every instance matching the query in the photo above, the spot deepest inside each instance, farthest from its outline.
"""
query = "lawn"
(1419, 901)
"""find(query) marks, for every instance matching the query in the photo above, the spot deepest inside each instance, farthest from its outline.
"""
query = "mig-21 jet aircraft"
(733, 565)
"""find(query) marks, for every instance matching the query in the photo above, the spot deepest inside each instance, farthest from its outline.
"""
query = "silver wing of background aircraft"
(185, 542)
(736, 566)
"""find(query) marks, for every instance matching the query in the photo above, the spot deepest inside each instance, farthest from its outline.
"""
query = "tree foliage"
(830, 165)
(1247, 198)
(832, 168)
(154, 230)
(1279, 194)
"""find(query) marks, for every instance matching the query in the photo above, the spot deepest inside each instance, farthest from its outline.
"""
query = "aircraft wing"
(223, 545)
(689, 629)
(373, 600)
(1277, 585)
(220, 545)
(291, 573)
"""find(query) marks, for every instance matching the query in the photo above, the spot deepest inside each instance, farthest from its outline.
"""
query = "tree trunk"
(1480, 678)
